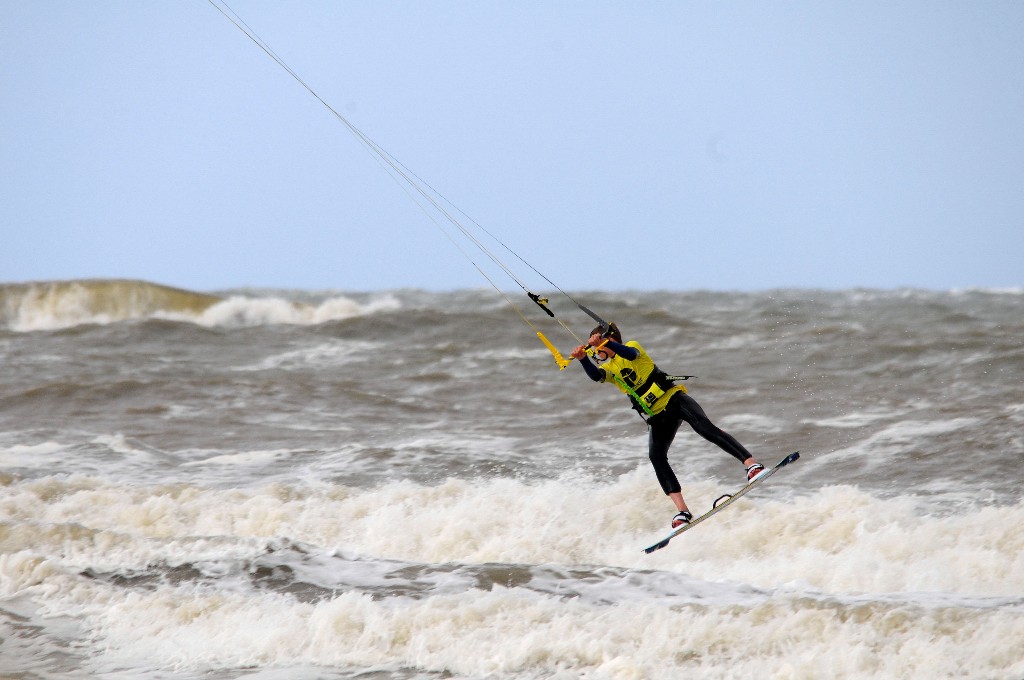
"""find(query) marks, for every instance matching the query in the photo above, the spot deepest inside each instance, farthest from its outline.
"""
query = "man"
(666, 405)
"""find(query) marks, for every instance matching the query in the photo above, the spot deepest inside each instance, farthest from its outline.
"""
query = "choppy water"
(288, 484)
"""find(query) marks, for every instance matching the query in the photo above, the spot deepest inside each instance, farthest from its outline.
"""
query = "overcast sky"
(614, 145)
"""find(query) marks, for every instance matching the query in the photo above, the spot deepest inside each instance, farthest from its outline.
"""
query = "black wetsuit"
(664, 425)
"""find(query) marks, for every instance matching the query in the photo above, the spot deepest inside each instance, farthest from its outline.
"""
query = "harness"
(652, 389)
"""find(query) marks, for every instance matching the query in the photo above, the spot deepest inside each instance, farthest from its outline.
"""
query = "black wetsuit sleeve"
(625, 351)
(595, 373)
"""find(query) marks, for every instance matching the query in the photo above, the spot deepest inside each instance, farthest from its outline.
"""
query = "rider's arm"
(595, 373)
(625, 351)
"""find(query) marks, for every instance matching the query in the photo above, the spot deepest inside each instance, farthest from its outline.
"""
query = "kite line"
(424, 195)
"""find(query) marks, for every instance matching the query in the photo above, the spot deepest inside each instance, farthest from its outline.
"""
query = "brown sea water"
(300, 484)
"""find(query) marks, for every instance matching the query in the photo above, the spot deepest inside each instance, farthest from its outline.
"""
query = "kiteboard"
(723, 502)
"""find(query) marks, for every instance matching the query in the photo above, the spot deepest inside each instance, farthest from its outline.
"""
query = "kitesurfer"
(665, 404)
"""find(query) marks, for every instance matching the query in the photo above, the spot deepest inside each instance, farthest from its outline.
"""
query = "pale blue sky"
(614, 145)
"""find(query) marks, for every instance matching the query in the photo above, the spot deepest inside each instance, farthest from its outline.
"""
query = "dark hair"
(612, 332)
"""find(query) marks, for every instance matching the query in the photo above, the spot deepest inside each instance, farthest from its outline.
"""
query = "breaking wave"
(53, 305)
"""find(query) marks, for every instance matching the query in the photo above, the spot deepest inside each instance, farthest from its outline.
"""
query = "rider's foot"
(755, 471)
(682, 517)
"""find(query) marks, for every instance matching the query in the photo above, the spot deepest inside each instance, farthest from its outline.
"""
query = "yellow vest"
(631, 377)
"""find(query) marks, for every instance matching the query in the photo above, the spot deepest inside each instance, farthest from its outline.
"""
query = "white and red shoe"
(682, 517)
(755, 471)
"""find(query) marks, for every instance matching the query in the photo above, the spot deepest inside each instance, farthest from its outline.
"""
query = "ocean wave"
(508, 631)
(832, 540)
(54, 305)
(175, 575)
(1007, 290)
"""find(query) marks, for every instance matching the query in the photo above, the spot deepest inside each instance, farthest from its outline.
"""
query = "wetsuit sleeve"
(625, 351)
(595, 373)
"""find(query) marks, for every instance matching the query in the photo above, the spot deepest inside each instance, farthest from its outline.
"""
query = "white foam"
(734, 342)
(838, 539)
(43, 455)
(904, 433)
(320, 355)
(753, 422)
(852, 420)
(240, 310)
(57, 305)
(845, 573)
(512, 632)
(244, 458)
